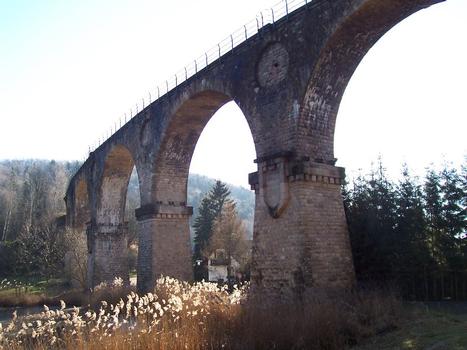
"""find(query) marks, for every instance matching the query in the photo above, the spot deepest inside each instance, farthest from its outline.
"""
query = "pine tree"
(382, 222)
(356, 207)
(453, 216)
(433, 204)
(371, 217)
(209, 210)
(412, 247)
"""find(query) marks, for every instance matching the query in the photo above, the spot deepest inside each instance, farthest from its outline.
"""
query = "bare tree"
(230, 235)
(76, 257)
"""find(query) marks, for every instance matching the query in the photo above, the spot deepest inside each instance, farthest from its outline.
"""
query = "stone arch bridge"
(288, 80)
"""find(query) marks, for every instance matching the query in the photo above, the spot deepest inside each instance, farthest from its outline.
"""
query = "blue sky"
(70, 69)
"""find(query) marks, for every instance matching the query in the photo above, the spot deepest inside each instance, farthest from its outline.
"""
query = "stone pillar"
(301, 241)
(107, 253)
(164, 243)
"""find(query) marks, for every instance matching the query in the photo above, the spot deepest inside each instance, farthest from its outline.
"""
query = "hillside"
(198, 186)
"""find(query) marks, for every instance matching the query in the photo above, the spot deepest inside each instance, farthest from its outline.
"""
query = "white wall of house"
(215, 273)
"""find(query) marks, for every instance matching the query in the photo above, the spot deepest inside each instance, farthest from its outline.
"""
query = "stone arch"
(179, 141)
(164, 233)
(350, 41)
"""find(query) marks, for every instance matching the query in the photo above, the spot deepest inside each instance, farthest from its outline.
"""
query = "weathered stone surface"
(108, 253)
(288, 80)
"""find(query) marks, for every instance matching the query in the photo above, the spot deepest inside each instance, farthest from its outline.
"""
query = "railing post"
(158, 93)
(143, 102)
(186, 74)
(219, 46)
(262, 19)
(196, 67)
(257, 24)
(205, 54)
(272, 14)
(125, 118)
(246, 32)
(287, 8)
(231, 41)
(167, 86)
(176, 80)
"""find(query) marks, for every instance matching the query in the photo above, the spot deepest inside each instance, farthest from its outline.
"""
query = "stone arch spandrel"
(351, 39)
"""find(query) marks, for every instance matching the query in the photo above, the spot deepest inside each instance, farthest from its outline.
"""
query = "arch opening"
(405, 96)
(224, 152)
(178, 145)
(133, 201)
(343, 52)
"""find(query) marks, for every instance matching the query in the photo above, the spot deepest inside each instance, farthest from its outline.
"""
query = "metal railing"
(265, 17)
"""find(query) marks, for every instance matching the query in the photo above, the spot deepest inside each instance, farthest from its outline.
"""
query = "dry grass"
(203, 316)
(11, 300)
(15, 294)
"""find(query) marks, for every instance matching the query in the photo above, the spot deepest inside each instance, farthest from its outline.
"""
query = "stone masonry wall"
(110, 254)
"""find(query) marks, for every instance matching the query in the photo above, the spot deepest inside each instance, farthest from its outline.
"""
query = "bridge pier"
(301, 241)
(164, 243)
(107, 253)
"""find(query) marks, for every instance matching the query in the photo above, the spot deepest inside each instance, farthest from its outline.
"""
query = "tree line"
(412, 232)
(31, 199)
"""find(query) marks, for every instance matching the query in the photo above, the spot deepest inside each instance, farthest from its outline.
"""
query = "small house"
(218, 266)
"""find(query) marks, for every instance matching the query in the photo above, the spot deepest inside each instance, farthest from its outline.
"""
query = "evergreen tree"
(209, 210)
(382, 222)
(356, 202)
(371, 217)
(453, 216)
(412, 243)
(433, 204)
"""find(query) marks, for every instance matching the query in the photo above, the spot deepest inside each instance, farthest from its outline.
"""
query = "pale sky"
(70, 69)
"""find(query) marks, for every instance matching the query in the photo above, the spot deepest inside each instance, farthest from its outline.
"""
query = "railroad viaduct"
(288, 79)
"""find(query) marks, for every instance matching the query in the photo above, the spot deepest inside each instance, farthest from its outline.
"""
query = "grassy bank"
(32, 292)
(425, 327)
